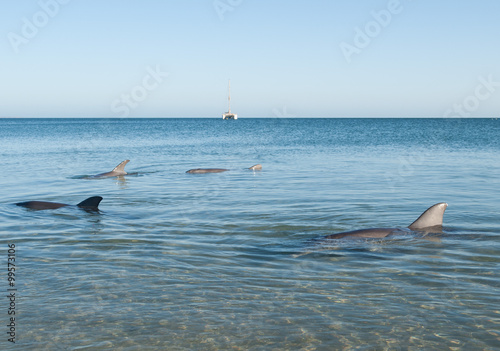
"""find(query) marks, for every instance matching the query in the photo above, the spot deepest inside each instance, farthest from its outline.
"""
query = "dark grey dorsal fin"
(91, 203)
(432, 217)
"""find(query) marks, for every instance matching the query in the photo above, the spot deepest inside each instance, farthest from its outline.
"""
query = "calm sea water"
(178, 261)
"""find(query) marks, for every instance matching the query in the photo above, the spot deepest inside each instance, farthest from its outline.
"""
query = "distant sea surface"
(234, 260)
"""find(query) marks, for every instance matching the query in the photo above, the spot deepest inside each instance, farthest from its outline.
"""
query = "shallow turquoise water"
(229, 260)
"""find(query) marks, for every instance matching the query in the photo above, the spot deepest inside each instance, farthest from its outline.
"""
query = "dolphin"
(117, 171)
(431, 219)
(207, 170)
(257, 167)
(90, 204)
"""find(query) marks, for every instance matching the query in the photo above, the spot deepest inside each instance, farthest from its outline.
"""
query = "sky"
(293, 58)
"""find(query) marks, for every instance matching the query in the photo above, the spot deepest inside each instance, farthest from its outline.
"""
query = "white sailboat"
(229, 114)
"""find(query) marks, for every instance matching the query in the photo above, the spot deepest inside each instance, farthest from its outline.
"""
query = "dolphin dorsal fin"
(257, 167)
(121, 167)
(432, 217)
(90, 203)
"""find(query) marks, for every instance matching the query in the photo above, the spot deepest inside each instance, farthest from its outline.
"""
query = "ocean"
(235, 260)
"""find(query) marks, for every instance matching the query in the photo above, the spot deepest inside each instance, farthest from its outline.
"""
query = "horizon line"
(295, 117)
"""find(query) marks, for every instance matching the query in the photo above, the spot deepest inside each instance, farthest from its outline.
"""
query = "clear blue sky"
(284, 58)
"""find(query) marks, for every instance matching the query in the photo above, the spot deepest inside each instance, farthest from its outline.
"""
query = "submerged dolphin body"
(117, 171)
(91, 204)
(431, 219)
(257, 167)
(207, 170)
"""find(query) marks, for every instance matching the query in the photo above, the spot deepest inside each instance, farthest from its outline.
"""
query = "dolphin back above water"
(431, 219)
(257, 167)
(207, 170)
(91, 204)
(117, 171)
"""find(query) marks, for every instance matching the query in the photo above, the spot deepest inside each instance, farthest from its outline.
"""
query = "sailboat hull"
(229, 116)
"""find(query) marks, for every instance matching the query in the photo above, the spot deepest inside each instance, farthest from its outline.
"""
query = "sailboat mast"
(229, 98)
(229, 114)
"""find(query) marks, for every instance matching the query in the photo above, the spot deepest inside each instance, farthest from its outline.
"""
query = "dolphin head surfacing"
(257, 167)
(117, 171)
(90, 204)
(432, 218)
